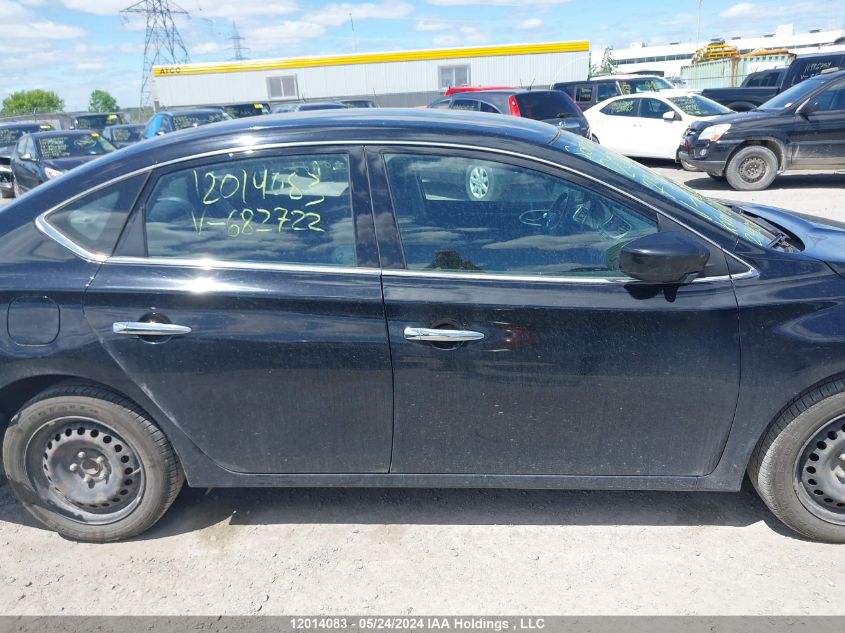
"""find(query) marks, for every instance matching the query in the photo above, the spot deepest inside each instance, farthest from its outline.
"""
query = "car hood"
(823, 239)
(66, 164)
(734, 118)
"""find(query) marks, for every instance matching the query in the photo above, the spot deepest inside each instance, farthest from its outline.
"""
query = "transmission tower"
(163, 44)
(237, 46)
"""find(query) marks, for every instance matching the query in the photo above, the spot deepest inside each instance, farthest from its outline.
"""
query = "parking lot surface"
(310, 551)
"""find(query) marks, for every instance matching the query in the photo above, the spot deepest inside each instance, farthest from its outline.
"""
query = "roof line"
(371, 58)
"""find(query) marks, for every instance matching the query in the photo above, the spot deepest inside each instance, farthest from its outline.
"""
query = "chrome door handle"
(441, 336)
(141, 328)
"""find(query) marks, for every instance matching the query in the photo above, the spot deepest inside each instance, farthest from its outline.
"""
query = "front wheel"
(799, 466)
(481, 183)
(752, 168)
(89, 464)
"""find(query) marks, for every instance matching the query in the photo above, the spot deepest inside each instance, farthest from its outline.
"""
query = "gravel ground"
(443, 551)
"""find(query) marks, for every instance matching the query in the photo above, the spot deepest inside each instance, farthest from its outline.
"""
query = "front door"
(819, 137)
(245, 299)
(519, 348)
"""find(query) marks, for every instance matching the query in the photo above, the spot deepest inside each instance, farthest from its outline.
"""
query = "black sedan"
(801, 128)
(10, 133)
(209, 306)
(42, 156)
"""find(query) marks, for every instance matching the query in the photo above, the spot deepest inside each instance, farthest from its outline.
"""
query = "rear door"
(519, 348)
(245, 299)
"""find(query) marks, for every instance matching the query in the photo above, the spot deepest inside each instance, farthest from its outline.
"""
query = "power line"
(237, 46)
(163, 44)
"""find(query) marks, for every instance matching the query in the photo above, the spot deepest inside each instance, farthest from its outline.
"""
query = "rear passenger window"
(281, 209)
(622, 107)
(584, 94)
(465, 104)
(95, 221)
(486, 107)
(653, 108)
(469, 215)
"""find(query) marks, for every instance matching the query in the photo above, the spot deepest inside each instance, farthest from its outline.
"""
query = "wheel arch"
(15, 394)
(765, 141)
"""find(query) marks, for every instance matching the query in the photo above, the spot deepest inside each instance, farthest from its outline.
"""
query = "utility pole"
(163, 44)
(237, 46)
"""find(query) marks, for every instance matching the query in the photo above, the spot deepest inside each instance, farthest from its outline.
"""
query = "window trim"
(42, 221)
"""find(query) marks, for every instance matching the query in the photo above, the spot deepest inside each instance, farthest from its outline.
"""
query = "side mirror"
(808, 108)
(26, 157)
(161, 133)
(671, 116)
(664, 258)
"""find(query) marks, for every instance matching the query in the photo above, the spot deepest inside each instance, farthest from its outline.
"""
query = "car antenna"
(531, 85)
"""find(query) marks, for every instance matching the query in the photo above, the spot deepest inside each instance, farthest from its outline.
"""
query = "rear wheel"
(752, 168)
(799, 466)
(89, 464)
(688, 166)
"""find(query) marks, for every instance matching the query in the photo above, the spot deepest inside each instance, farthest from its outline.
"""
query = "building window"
(282, 87)
(454, 76)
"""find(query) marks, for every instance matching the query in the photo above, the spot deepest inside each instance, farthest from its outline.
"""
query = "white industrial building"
(394, 78)
(668, 59)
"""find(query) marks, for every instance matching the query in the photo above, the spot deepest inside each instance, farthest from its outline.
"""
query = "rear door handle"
(441, 336)
(142, 328)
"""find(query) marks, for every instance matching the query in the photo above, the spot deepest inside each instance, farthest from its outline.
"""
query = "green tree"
(607, 66)
(31, 102)
(102, 101)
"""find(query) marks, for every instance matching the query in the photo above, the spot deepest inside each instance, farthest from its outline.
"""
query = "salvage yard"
(372, 551)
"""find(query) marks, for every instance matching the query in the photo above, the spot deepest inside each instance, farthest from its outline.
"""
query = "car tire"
(798, 468)
(688, 166)
(90, 464)
(481, 183)
(752, 168)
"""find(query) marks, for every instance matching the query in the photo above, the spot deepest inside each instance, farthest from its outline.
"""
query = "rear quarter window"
(549, 104)
(96, 220)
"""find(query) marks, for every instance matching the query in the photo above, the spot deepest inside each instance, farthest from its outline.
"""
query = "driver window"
(469, 215)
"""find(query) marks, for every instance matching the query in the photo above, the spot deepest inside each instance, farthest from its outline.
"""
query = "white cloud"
(432, 25)
(206, 48)
(338, 13)
(740, 10)
(446, 40)
(39, 31)
(530, 24)
(197, 8)
(276, 39)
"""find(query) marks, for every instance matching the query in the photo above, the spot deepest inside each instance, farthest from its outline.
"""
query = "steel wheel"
(752, 169)
(90, 473)
(820, 473)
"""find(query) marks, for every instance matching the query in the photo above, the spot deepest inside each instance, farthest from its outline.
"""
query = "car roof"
(23, 123)
(498, 91)
(49, 133)
(192, 111)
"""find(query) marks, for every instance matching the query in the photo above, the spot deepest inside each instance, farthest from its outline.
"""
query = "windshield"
(646, 84)
(794, 95)
(246, 109)
(548, 104)
(696, 105)
(195, 119)
(69, 145)
(709, 209)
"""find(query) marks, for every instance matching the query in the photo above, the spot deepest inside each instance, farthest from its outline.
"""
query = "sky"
(76, 46)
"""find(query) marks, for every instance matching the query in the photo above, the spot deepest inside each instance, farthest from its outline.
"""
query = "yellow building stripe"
(372, 58)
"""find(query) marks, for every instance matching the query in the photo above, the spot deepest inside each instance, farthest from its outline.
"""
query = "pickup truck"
(747, 98)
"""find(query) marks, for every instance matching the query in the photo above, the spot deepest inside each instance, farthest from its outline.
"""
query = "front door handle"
(441, 336)
(149, 328)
